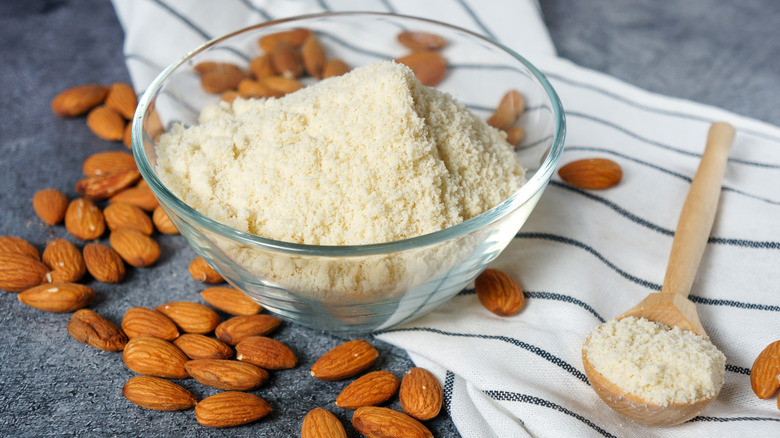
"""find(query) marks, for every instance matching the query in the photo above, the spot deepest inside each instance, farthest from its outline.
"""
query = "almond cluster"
(765, 372)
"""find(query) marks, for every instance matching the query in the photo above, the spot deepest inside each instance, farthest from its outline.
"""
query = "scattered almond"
(19, 272)
(281, 84)
(286, 60)
(141, 321)
(508, 111)
(106, 123)
(190, 317)
(231, 300)
(203, 272)
(429, 66)
(58, 297)
(421, 395)
(266, 353)
(295, 37)
(135, 247)
(229, 375)
(103, 263)
(50, 205)
(101, 187)
(592, 173)
(765, 372)
(91, 328)
(421, 40)
(499, 293)
(156, 357)
(222, 77)
(141, 196)
(231, 408)
(65, 260)
(125, 215)
(104, 163)
(84, 220)
(162, 222)
(334, 67)
(378, 422)
(202, 347)
(320, 423)
(121, 98)
(345, 360)
(261, 67)
(158, 394)
(369, 390)
(313, 56)
(78, 100)
(17, 245)
(238, 328)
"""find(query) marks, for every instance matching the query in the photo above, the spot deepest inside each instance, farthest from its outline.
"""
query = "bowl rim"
(533, 185)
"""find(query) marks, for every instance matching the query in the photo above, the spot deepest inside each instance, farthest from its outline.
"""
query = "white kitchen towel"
(584, 256)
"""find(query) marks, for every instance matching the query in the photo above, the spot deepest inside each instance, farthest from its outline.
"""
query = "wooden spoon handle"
(698, 212)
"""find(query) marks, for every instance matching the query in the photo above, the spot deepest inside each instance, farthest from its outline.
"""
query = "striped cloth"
(583, 257)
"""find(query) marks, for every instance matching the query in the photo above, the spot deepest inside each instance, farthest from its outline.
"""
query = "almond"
(58, 297)
(281, 84)
(78, 100)
(229, 375)
(158, 394)
(231, 408)
(295, 37)
(261, 67)
(238, 328)
(377, 422)
(141, 196)
(163, 222)
(286, 60)
(190, 317)
(250, 88)
(127, 135)
(266, 353)
(84, 220)
(515, 135)
(17, 245)
(125, 215)
(508, 111)
(429, 66)
(313, 55)
(320, 423)
(421, 395)
(65, 260)
(19, 272)
(345, 360)
(334, 67)
(222, 77)
(50, 205)
(101, 187)
(499, 293)
(592, 173)
(103, 263)
(230, 300)
(202, 347)
(106, 123)
(135, 247)
(121, 98)
(765, 373)
(91, 328)
(369, 390)
(141, 321)
(421, 40)
(104, 163)
(203, 272)
(156, 357)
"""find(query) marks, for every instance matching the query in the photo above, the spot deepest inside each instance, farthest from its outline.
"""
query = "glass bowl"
(360, 288)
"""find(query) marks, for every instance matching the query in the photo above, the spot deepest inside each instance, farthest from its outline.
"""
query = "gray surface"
(722, 53)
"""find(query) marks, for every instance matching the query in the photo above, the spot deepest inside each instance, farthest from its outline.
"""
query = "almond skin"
(121, 98)
(158, 394)
(377, 422)
(104, 163)
(499, 293)
(98, 188)
(592, 173)
(369, 390)
(429, 66)
(141, 196)
(135, 247)
(222, 77)
(231, 300)
(231, 408)
(162, 222)
(422, 40)
(89, 327)
(126, 215)
(202, 347)
(50, 205)
(84, 220)
(19, 272)
(320, 423)
(509, 109)
(295, 37)
(65, 260)
(421, 395)
(238, 328)
(58, 297)
(78, 100)
(203, 272)
(190, 317)
(103, 263)
(345, 360)
(106, 123)
(313, 55)
(266, 353)
(334, 67)
(17, 245)
(229, 375)
(140, 321)
(156, 357)
(765, 372)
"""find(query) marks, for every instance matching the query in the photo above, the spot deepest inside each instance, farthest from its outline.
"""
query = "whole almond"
(345, 360)
(429, 66)
(17, 245)
(106, 123)
(103, 263)
(125, 215)
(313, 55)
(98, 188)
(281, 84)
(141, 196)
(162, 222)
(250, 88)
(78, 100)
(84, 220)
(266, 353)
(121, 97)
(65, 260)
(190, 317)
(368, 390)
(509, 109)
(286, 60)
(50, 205)
(202, 347)
(156, 357)
(592, 173)
(421, 40)
(261, 67)
(231, 300)
(19, 272)
(334, 67)
(135, 247)
(378, 422)
(765, 372)
(104, 163)
(421, 395)
(203, 272)
(229, 375)
(58, 297)
(141, 321)
(158, 394)
(295, 37)
(499, 293)
(222, 77)
(91, 328)
(231, 408)
(238, 328)
(320, 423)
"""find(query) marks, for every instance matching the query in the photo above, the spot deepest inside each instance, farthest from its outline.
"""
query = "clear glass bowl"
(360, 288)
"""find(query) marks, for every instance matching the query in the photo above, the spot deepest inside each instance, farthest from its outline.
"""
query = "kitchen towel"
(584, 256)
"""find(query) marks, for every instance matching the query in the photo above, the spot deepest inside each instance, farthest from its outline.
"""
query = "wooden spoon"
(671, 306)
